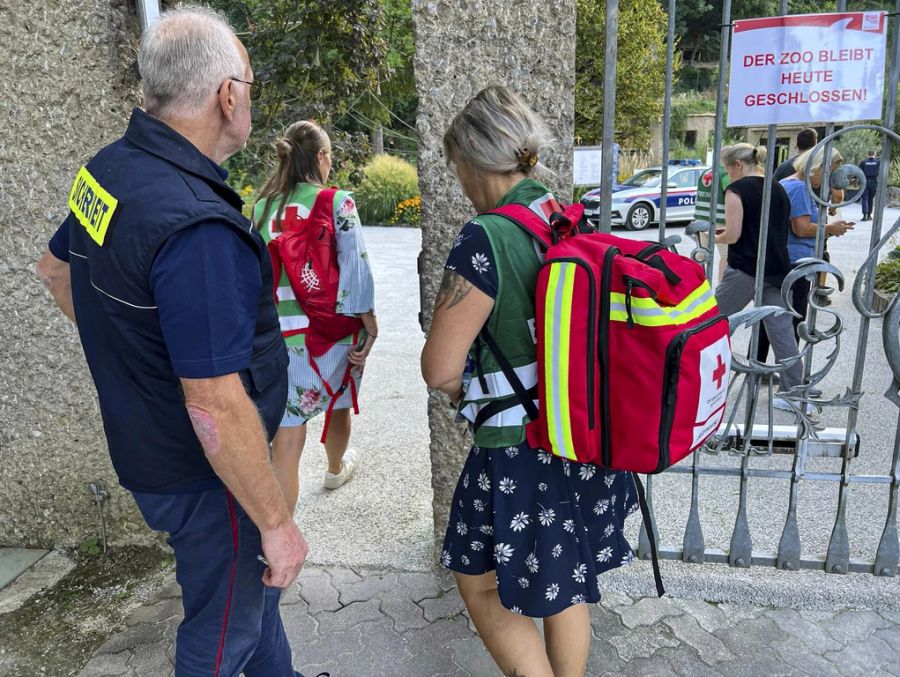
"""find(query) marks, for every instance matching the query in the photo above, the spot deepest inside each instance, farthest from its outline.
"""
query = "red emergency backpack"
(307, 250)
(633, 355)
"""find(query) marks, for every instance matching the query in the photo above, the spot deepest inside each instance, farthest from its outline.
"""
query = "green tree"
(640, 70)
(392, 105)
(399, 91)
(313, 59)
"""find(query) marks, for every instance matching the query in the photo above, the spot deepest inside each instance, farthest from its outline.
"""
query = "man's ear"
(228, 99)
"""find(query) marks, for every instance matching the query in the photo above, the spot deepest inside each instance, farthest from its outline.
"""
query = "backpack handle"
(562, 225)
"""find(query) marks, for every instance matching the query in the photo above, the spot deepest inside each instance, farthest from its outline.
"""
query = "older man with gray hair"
(171, 289)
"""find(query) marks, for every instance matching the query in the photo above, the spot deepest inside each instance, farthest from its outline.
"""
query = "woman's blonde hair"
(298, 152)
(745, 154)
(497, 132)
(818, 161)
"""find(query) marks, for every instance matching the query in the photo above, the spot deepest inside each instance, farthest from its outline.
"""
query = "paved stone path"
(388, 624)
(369, 622)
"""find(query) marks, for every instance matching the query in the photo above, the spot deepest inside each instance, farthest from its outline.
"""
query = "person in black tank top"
(743, 219)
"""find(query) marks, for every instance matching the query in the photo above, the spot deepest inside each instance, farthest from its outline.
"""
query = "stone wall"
(68, 83)
(462, 46)
(702, 124)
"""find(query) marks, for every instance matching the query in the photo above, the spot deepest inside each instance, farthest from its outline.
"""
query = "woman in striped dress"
(304, 163)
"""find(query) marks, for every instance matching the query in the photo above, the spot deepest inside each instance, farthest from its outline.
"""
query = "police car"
(636, 202)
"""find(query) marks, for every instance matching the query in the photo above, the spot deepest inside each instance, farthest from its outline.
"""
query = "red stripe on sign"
(234, 545)
(801, 20)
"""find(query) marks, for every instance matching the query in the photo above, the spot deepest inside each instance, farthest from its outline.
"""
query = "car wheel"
(639, 216)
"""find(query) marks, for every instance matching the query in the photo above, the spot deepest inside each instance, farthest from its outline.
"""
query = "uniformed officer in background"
(171, 289)
(870, 167)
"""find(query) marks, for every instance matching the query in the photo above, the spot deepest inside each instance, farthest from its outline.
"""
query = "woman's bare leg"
(568, 639)
(512, 639)
(338, 439)
(286, 450)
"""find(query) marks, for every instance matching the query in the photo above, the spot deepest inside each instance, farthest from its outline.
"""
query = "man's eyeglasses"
(246, 82)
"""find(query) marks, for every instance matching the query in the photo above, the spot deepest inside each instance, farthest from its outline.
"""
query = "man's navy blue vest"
(162, 184)
(870, 167)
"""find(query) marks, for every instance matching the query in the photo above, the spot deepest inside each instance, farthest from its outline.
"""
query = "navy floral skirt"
(548, 527)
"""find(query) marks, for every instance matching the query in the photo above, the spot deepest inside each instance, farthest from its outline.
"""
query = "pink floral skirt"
(307, 395)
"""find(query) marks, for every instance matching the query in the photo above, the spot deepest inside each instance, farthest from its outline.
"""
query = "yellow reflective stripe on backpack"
(92, 205)
(647, 312)
(558, 333)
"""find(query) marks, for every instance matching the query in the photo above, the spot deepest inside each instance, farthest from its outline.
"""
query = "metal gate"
(813, 469)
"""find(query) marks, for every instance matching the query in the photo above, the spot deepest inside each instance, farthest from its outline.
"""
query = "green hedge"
(388, 182)
(887, 275)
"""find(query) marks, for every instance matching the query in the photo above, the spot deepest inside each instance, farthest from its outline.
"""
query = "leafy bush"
(348, 175)
(679, 151)
(631, 162)
(408, 212)
(579, 191)
(697, 79)
(388, 182)
(894, 174)
(854, 146)
(887, 275)
(248, 195)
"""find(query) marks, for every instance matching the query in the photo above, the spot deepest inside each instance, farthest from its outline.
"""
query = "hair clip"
(526, 159)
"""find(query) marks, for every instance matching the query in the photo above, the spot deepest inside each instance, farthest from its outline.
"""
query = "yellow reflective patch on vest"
(92, 205)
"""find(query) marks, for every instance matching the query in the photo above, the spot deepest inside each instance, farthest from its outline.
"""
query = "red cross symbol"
(291, 220)
(719, 372)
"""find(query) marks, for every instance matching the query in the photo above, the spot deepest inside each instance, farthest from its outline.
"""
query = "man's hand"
(284, 547)
(228, 426)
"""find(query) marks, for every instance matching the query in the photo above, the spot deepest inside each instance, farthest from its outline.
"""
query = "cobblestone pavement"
(388, 624)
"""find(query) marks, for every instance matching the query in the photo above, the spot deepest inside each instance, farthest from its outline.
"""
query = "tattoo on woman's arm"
(454, 288)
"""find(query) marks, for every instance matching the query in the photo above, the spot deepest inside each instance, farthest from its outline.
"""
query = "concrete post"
(69, 86)
(462, 46)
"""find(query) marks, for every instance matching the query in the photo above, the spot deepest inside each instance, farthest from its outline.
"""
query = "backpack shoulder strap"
(523, 395)
(527, 220)
(323, 207)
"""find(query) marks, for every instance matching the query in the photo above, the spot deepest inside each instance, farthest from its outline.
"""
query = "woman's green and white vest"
(512, 324)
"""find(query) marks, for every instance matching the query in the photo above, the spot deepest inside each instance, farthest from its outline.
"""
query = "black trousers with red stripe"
(231, 620)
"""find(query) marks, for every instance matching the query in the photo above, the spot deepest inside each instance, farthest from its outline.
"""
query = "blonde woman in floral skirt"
(304, 163)
(529, 532)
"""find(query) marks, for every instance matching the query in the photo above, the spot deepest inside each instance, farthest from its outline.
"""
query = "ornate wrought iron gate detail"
(743, 438)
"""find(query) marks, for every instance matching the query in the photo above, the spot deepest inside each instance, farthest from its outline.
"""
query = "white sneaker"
(783, 405)
(348, 467)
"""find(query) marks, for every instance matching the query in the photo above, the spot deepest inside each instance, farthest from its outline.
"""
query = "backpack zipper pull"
(629, 285)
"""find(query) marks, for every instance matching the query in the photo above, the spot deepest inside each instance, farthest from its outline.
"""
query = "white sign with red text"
(807, 68)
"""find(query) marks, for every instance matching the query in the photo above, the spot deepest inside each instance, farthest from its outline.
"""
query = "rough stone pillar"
(461, 47)
(67, 74)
